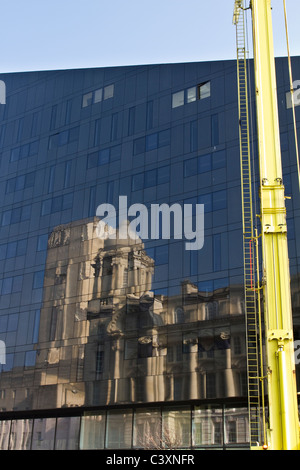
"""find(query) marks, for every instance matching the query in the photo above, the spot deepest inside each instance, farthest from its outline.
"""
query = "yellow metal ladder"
(251, 288)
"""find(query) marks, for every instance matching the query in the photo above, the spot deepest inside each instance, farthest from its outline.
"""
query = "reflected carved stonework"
(59, 237)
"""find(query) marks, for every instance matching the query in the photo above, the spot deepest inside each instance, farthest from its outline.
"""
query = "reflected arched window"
(211, 310)
(179, 315)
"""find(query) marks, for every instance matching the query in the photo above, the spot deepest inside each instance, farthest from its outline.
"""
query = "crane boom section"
(282, 395)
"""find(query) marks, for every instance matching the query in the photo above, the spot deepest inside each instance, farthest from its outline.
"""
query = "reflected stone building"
(125, 342)
(106, 339)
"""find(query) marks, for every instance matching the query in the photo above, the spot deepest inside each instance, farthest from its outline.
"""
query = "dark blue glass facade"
(112, 345)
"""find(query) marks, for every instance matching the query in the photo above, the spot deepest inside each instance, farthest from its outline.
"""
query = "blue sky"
(63, 34)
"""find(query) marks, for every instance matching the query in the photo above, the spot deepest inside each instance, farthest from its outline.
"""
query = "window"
(7, 286)
(21, 214)
(207, 426)
(25, 151)
(219, 159)
(43, 434)
(145, 347)
(119, 429)
(150, 178)
(217, 252)
(163, 175)
(149, 117)
(98, 94)
(11, 285)
(53, 117)
(92, 431)
(204, 163)
(63, 138)
(92, 201)
(99, 361)
(21, 432)
(108, 92)
(176, 428)
(194, 136)
(151, 142)
(190, 167)
(161, 255)
(114, 127)
(68, 112)
(67, 433)
(67, 179)
(131, 121)
(138, 182)
(214, 130)
(206, 199)
(87, 99)
(219, 200)
(36, 325)
(38, 280)
(178, 99)
(139, 146)
(57, 204)
(20, 182)
(164, 138)
(103, 157)
(190, 95)
(147, 428)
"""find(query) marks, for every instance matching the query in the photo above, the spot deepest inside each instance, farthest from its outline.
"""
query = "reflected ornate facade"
(105, 338)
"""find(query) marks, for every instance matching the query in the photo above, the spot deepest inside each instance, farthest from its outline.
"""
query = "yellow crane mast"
(283, 423)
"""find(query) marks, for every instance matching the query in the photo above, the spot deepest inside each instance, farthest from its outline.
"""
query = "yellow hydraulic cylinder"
(283, 428)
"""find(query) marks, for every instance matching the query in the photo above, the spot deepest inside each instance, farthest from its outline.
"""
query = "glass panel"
(163, 175)
(20, 436)
(98, 95)
(219, 200)
(204, 90)
(219, 159)
(214, 130)
(151, 142)
(92, 431)
(108, 92)
(178, 99)
(92, 160)
(191, 94)
(103, 157)
(147, 429)
(119, 429)
(161, 254)
(67, 433)
(150, 178)
(236, 426)
(139, 146)
(4, 434)
(206, 199)
(207, 426)
(190, 167)
(87, 100)
(137, 182)
(164, 138)
(43, 434)
(204, 163)
(176, 428)
(11, 250)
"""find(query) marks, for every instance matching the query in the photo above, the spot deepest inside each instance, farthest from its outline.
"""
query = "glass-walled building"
(122, 320)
